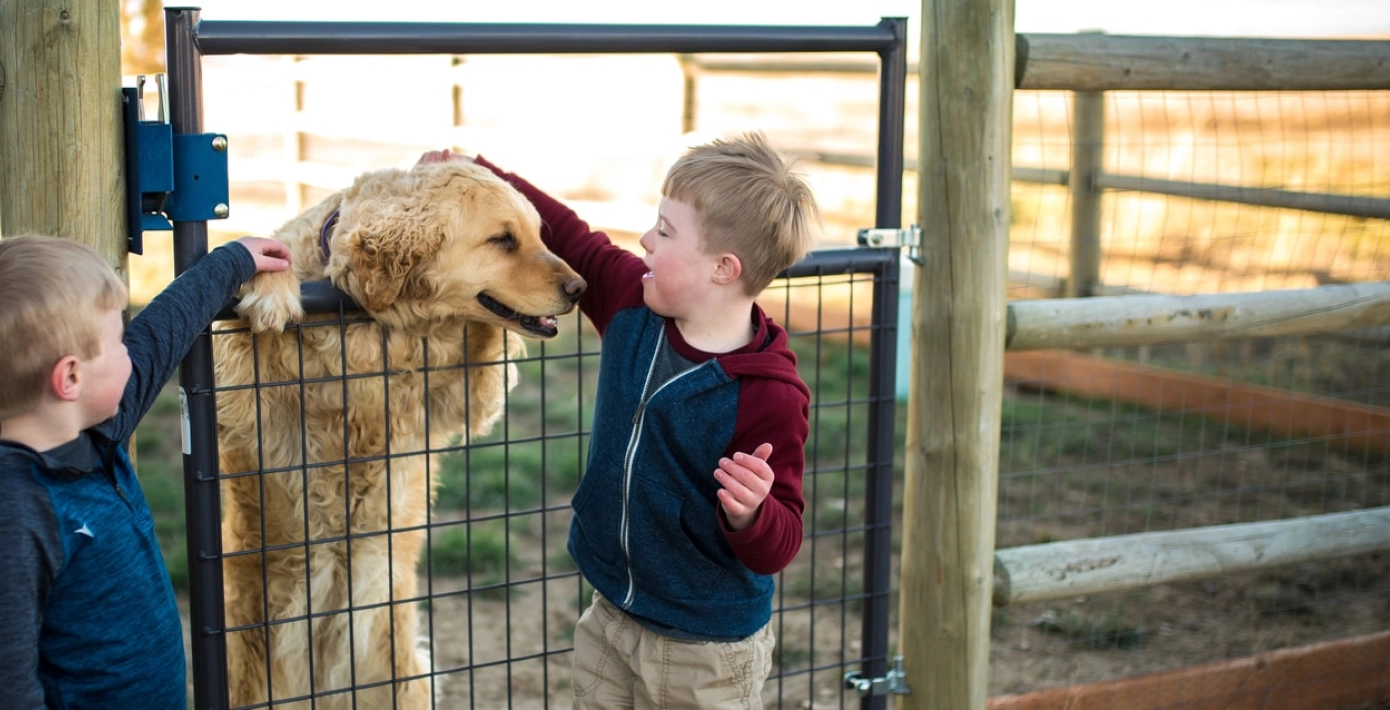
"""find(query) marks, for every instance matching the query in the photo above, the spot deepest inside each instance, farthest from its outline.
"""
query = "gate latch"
(169, 178)
(906, 237)
(895, 682)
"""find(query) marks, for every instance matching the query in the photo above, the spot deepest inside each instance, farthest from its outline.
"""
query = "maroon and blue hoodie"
(648, 531)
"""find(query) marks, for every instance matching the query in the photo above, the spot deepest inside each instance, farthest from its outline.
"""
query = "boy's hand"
(443, 156)
(269, 254)
(746, 481)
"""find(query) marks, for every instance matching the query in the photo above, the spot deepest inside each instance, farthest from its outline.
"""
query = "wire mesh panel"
(416, 554)
(494, 596)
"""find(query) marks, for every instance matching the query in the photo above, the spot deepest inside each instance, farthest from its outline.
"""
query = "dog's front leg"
(270, 300)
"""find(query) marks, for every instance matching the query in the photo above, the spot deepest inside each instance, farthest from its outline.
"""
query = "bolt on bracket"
(169, 178)
(894, 683)
(902, 237)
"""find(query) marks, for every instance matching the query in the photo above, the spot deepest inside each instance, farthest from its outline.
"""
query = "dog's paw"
(270, 300)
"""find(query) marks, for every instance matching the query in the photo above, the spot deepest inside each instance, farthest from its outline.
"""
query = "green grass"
(1102, 630)
(1333, 365)
(481, 550)
(1052, 429)
(503, 476)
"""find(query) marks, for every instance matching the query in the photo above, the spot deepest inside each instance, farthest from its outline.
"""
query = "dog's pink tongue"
(550, 322)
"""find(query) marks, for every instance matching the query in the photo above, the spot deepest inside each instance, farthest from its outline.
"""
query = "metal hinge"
(169, 178)
(905, 237)
(895, 682)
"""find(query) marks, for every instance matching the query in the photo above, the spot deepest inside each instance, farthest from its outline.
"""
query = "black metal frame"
(188, 39)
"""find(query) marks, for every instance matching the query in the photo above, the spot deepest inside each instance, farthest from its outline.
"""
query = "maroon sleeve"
(613, 274)
(775, 412)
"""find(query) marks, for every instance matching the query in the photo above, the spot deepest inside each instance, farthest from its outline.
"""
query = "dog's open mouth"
(542, 326)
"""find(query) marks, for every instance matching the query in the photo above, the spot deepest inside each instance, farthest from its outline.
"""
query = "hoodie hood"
(766, 355)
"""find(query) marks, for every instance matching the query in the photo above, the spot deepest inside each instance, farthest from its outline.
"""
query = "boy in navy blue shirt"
(87, 613)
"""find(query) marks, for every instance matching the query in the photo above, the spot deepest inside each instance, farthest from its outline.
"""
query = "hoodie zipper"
(638, 418)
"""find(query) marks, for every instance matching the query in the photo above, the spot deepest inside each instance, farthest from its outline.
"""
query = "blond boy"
(87, 612)
(691, 498)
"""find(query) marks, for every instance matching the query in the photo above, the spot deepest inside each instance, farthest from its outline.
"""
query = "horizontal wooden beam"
(1107, 321)
(1041, 176)
(1283, 413)
(1327, 203)
(1100, 62)
(781, 64)
(1352, 205)
(1070, 568)
(1333, 674)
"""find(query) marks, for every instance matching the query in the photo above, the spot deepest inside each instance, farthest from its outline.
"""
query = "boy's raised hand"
(443, 156)
(269, 254)
(746, 481)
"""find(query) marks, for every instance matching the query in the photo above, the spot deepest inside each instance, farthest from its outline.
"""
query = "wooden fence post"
(1087, 153)
(690, 73)
(957, 372)
(293, 136)
(61, 137)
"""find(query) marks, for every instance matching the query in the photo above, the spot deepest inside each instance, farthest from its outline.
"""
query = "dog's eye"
(506, 241)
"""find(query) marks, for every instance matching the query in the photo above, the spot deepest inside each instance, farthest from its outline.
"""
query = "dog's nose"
(574, 288)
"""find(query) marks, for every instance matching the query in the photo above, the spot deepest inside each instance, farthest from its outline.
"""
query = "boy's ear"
(727, 269)
(65, 380)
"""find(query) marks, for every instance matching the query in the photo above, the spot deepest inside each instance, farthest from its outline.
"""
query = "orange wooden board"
(1281, 412)
(1324, 676)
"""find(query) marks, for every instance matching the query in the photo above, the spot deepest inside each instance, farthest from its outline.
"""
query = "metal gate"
(832, 610)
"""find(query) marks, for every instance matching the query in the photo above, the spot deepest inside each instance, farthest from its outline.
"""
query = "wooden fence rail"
(1113, 321)
(1101, 62)
(1070, 568)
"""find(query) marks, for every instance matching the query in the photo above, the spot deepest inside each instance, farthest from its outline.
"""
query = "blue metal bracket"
(169, 178)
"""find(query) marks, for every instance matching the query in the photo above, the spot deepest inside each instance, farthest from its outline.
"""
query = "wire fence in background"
(1096, 457)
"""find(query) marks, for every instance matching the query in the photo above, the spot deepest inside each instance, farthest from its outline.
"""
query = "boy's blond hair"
(748, 202)
(52, 294)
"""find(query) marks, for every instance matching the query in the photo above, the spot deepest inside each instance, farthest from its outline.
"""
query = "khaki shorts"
(620, 664)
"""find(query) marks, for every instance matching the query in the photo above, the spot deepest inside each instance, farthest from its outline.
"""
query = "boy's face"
(679, 270)
(104, 377)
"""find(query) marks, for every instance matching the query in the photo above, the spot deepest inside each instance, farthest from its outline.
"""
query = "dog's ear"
(383, 255)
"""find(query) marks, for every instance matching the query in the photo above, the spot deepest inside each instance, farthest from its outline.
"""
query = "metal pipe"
(256, 37)
(883, 352)
(201, 489)
(892, 102)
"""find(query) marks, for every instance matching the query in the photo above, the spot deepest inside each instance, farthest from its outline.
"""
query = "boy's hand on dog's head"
(269, 254)
(443, 156)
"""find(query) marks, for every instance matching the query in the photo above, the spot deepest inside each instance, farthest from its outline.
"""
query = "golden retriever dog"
(320, 568)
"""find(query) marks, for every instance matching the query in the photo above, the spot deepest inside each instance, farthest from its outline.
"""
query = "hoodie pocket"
(666, 539)
(597, 516)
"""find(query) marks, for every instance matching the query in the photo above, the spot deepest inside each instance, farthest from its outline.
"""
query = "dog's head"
(448, 242)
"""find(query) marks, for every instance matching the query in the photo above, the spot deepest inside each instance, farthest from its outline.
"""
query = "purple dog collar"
(326, 231)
